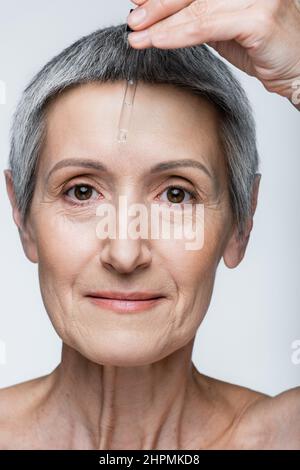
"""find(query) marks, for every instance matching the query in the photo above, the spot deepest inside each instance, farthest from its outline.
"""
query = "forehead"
(167, 123)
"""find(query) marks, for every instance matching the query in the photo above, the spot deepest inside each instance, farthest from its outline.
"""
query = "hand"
(262, 38)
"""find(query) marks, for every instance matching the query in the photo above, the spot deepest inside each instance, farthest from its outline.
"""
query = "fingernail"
(137, 16)
(139, 36)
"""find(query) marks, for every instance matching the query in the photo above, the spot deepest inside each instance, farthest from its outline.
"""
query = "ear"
(236, 248)
(25, 230)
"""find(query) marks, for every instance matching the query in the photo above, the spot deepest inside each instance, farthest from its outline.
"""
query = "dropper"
(126, 111)
(127, 105)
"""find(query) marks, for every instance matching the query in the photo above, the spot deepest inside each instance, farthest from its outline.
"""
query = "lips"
(125, 302)
(125, 295)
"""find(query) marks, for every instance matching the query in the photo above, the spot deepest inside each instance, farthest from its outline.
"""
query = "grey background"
(254, 315)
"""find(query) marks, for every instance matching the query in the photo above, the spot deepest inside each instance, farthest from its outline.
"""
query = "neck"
(152, 406)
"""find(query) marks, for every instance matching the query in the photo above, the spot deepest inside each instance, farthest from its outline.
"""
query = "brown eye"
(175, 195)
(178, 195)
(82, 192)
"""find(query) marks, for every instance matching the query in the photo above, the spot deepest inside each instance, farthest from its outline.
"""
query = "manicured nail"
(139, 36)
(137, 16)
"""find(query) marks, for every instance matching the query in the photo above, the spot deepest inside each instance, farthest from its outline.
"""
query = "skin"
(260, 38)
(127, 380)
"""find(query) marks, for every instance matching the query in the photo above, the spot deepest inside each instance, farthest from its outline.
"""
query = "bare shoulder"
(19, 397)
(271, 422)
(235, 397)
(257, 420)
(17, 405)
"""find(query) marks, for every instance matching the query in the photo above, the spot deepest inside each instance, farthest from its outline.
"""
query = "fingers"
(138, 2)
(195, 20)
(151, 12)
(182, 31)
(155, 10)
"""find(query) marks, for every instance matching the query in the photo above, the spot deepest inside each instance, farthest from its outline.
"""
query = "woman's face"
(167, 125)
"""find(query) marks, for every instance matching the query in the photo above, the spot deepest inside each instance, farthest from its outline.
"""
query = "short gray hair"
(106, 56)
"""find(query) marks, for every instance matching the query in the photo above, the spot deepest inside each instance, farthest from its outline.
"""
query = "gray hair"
(106, 56)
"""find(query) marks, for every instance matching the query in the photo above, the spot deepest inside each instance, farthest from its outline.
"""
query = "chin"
(121, 350)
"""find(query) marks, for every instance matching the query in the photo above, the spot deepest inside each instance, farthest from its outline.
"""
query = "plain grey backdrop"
(254, 316)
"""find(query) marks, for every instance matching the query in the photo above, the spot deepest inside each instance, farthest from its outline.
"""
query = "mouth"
(125, 302)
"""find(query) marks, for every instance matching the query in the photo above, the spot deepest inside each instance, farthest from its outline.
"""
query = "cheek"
(192, 275)
(64, 248)
(193, 261)
(193, 272)
(190, 269)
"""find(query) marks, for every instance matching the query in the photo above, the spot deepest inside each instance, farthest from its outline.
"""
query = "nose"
(125, 256)
(122, 252)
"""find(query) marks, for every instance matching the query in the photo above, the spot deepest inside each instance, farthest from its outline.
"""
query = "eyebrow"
(169, 165)
(96, 165)
(74, 162)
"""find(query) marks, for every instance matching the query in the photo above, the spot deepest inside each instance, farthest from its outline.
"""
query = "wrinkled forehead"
(167, 123)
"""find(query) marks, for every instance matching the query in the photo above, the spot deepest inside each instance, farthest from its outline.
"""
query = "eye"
(82, 192)
(177, 195)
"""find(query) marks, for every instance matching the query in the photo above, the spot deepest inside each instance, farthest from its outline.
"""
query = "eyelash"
(72, 202)
(193, 194)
